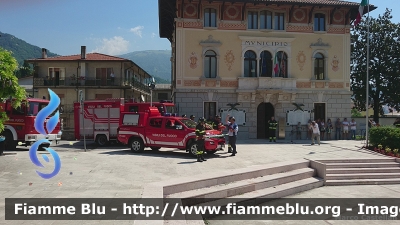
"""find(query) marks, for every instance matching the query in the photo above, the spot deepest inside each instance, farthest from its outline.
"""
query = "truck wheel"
(193, 148)
(211, 152)
(155, 148)
(101, 140)
(136, 145)
(9, 143)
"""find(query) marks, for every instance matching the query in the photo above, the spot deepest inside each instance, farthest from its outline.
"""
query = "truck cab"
(20, 126)
(151, 129)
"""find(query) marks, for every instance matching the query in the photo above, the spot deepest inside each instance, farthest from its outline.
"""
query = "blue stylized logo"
(50, 125)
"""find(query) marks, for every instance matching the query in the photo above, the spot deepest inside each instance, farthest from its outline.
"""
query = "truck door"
(174, 132)
(154, 131)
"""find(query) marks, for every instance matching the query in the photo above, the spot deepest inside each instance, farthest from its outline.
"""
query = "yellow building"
(264, 55)
(99, 76)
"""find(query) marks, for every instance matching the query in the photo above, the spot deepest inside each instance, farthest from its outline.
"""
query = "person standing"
(184, 116)
(200, 139)
(233, 129)
(192, 117)
(353, 128)
(322, 128)
(272, 129)
(228, 119)
(309, 129)
(338, 126)
(345, 129)
(329, 129)
(316, 133)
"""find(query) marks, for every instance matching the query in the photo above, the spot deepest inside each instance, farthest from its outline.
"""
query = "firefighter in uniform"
(272, 129)
(200, 137)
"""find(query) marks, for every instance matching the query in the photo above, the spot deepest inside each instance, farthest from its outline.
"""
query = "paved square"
(116, 172)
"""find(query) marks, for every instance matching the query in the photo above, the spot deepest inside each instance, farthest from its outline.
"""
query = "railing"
(43, 82)
(252, 83)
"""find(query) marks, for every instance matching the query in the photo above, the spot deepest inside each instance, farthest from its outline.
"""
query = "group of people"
(216, 123)
(318, 129)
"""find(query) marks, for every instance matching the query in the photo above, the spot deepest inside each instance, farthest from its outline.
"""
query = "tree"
(355, 113)
(384, 68)
(9, 83)
(25, 70)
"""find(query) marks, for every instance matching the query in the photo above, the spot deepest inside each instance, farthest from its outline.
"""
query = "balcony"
(90, 82)
(266, 83)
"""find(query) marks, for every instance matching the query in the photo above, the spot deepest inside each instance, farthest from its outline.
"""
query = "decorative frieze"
(336, 85)
(226, 83)
(195, 83)
(303, 84)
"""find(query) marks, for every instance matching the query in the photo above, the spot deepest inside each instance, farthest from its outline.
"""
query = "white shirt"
(353, 125)
(236, 129)
(315, 129)
(345, 125)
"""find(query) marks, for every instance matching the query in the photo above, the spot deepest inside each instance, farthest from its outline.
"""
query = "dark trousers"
(338, 133)
(200, 147)
(232, 143)
(272, 134)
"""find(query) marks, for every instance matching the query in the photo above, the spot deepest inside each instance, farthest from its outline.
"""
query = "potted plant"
(396, 152)
(9, 88)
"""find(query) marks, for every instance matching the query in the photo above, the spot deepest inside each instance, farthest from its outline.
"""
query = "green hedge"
(385, 136)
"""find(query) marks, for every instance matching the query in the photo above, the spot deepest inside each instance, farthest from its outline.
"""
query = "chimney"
(83, 52)
(44, 53)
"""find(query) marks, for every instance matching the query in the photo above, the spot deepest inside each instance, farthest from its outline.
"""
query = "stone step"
(362, 165)
(362, 181)
(363, 170)
(245, 186)
(278, 191)
(372, 160)
(362, 176)
(223, 177)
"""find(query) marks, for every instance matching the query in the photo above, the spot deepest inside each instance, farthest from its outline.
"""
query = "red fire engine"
(164, 107)
(20, 126)
(150, 129)
(100, 120)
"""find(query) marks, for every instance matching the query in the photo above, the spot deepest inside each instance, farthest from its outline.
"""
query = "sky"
(112, 27)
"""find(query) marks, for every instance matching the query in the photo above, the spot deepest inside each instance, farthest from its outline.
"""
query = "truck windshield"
(35, 107)
(170, 109)
(189, 123)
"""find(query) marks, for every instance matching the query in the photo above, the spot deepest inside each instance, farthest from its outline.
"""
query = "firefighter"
(272, 129)
(192, 117)
(200, 136)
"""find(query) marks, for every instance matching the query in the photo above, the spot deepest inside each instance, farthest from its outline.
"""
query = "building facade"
(263, 55)
(99, 76)
(162, 92)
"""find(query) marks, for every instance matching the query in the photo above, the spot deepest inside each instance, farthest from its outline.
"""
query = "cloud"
(137, 30)
(113, 46)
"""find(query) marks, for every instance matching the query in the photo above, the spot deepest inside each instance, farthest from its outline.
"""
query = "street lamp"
(83, 117)
(152, 85)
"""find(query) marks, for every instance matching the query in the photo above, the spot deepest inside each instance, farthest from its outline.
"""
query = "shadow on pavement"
(178, 154)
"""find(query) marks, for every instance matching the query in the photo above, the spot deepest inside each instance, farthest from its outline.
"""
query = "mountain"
(21, 50)
(155, 62)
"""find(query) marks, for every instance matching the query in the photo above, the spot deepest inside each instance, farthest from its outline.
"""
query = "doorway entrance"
(264, 113)
(319, 111)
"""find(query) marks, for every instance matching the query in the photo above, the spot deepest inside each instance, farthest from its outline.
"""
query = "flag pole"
(367, 82)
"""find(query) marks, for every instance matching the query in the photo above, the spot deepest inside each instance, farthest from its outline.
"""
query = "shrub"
(388, 137)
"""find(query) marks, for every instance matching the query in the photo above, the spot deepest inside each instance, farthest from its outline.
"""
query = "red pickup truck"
(150, 129)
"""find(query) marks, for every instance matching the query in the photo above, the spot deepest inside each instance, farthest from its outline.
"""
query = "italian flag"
(276, 64)
(360, 12)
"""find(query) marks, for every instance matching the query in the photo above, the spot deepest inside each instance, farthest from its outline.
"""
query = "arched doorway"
(264, 113)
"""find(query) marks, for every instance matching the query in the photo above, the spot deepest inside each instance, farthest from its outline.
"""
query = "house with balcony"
(264, 55)
(99, 76)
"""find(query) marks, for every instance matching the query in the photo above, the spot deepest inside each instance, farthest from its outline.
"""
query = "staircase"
(361, 171)
(269, 181)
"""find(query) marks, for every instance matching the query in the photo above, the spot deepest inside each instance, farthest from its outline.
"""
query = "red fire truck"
(99, 120)
(164, 107)
(20, 126)
(150, 129)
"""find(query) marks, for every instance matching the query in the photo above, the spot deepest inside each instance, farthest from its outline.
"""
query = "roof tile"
(89, 57)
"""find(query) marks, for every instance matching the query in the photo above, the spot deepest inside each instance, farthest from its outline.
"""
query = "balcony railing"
(90, 82)
(254, 83)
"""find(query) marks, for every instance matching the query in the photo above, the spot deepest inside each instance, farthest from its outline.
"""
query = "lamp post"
(83, 117)
(152, 85)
